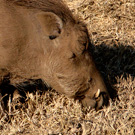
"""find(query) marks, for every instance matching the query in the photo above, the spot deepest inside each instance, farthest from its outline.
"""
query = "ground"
(111, 26)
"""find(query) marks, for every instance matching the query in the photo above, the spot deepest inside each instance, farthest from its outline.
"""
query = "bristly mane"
(56, 6)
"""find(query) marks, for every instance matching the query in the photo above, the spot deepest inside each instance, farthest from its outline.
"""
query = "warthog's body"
(40, 39)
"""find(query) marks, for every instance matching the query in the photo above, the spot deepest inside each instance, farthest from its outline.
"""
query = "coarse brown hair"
(57, 7)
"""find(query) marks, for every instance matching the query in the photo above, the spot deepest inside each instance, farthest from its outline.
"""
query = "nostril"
(90, 80)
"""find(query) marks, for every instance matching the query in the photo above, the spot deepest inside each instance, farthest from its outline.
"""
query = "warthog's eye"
(73, 56)
(52, 37)
(90, 80)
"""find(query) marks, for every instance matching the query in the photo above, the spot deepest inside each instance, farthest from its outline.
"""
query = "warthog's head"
(60, 43)
(69, 66)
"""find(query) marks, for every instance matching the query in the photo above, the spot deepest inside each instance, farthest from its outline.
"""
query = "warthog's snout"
(97, 102)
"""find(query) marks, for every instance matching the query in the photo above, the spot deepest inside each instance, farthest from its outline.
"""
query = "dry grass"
(109, 22)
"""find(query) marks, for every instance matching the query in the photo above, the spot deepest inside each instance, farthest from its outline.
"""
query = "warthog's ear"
(51, 24)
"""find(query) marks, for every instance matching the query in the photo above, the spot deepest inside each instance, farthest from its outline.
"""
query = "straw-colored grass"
(109, 22)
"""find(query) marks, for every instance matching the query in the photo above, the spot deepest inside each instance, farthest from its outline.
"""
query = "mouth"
(99, 99)
(80, 94)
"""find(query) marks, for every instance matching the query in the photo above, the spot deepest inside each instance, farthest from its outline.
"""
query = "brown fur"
(40, 39)
(55, 6)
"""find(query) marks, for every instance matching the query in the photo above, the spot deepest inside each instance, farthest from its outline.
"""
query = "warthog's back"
(18, 40)
(12, 34)
(7, 34)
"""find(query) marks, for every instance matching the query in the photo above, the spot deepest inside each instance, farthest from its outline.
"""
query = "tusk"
(97, 94)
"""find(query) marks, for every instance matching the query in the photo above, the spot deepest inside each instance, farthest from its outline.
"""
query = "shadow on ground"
(114, 61)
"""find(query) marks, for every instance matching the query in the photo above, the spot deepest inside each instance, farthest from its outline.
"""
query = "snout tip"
(99, 100)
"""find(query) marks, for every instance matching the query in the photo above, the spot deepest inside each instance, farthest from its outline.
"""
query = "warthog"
(41, 39)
